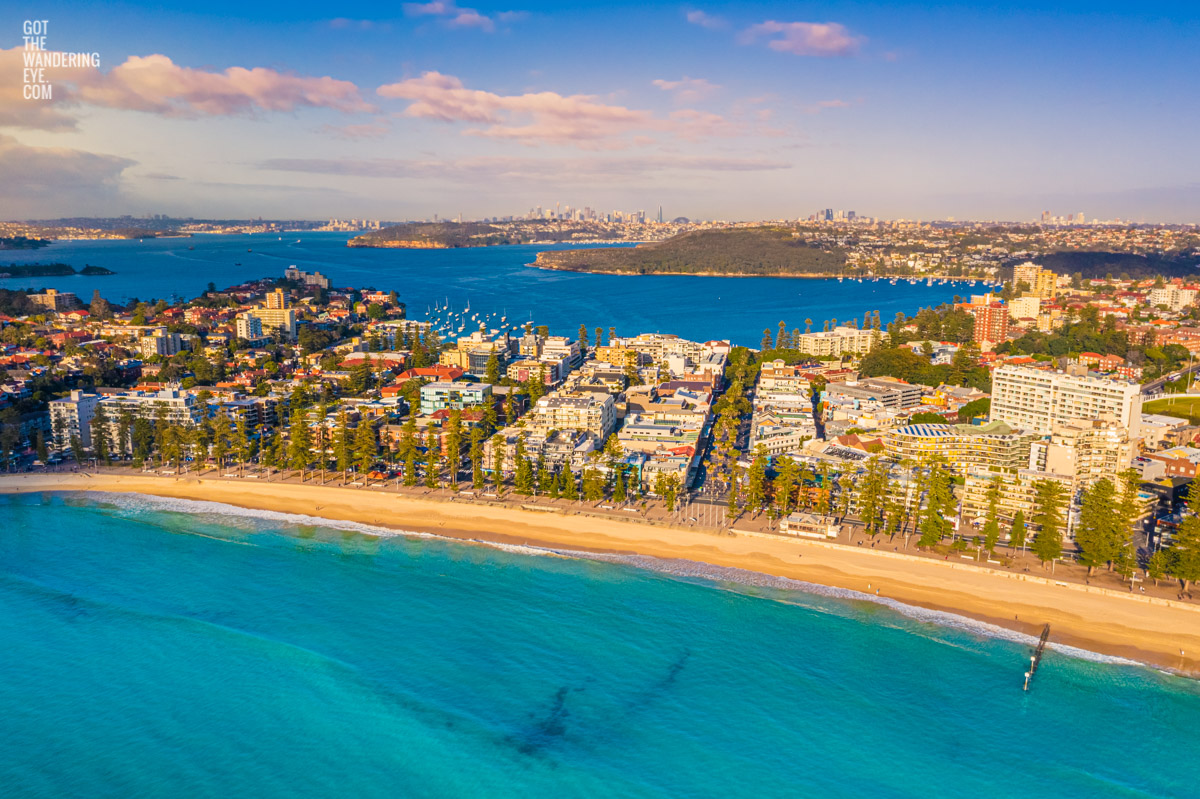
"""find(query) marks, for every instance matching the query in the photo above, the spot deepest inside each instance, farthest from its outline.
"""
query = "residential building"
(1042, 282)
(991, 324)
(1038, 399)
(178, 407)
(995, 447)
(249, 327)
(1174, 297)
(887, 391)
(1086, 450)
(839, 341)
(276, 300)
(307, 278)
(1027, 307)
(594, 413)
(282, 320)
(71, 416)
(1018, 493)
(160, 343)
(55, 300)
(454, 395)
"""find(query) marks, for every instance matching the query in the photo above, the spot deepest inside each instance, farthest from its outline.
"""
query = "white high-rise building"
(71, 417)
(1038, 400)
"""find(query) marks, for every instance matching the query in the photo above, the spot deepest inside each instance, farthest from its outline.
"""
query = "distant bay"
(491, 279)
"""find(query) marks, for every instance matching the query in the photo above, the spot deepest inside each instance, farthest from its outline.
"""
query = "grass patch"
(1179, 407)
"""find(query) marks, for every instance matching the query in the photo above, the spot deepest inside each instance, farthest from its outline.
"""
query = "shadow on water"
(655, 690)
(550, 726)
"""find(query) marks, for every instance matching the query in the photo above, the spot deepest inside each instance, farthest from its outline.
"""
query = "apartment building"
(1018, 493)
(1038, 399)
(592, 412)
(962, 447)
(177, 407)
(71, 416)
(55, 300)
(991, 324)
(839, 341)
(887, 391)
(1042, 282)
(249, 327)
(1086, 450)
(454, 395)
(160, 343)
(282, 320)
(1173, 297)
(307, 278)
(779, 376)
(1027, 307)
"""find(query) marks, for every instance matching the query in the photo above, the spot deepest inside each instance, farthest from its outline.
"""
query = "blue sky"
(712, 110)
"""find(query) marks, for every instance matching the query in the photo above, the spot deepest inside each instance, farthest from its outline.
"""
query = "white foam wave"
(672, 567)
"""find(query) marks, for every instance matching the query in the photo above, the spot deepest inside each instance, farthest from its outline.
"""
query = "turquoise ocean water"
(160, 648)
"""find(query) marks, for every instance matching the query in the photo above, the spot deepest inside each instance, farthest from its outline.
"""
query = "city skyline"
(714, 110)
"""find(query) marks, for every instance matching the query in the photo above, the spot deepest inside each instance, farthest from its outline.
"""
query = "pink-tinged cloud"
(706, 20)
(154, 83)
(455, 16)
(536, 117)
(821, 39)
(687, 90)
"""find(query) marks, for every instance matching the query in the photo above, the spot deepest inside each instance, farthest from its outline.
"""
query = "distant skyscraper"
(660, 219)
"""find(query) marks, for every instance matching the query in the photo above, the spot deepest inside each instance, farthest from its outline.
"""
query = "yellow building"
(1042, 282)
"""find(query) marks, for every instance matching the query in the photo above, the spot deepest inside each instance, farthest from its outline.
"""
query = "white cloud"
(539, 117)
(822, 39)
(687, 90)
(706, 20)
(455, 16)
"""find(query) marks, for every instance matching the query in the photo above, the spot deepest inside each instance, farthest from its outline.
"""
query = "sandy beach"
(1138, 627)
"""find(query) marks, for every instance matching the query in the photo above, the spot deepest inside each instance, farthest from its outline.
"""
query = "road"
(1155, 386)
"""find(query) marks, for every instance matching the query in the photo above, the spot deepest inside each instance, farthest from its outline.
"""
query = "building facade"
(1037, 399)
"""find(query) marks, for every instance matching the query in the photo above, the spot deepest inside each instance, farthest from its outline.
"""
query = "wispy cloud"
(825, 105)
(455, 16)
(473, 170)
(346, 23)
(821, 39)
(687, 90)
(370, 130)
(581, 120)
(706, 20)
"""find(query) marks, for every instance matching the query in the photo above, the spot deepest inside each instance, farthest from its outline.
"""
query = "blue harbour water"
(160, 648)
(492, 280)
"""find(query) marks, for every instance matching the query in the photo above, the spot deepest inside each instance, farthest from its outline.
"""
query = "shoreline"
(1134, 627)
(799, 276)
